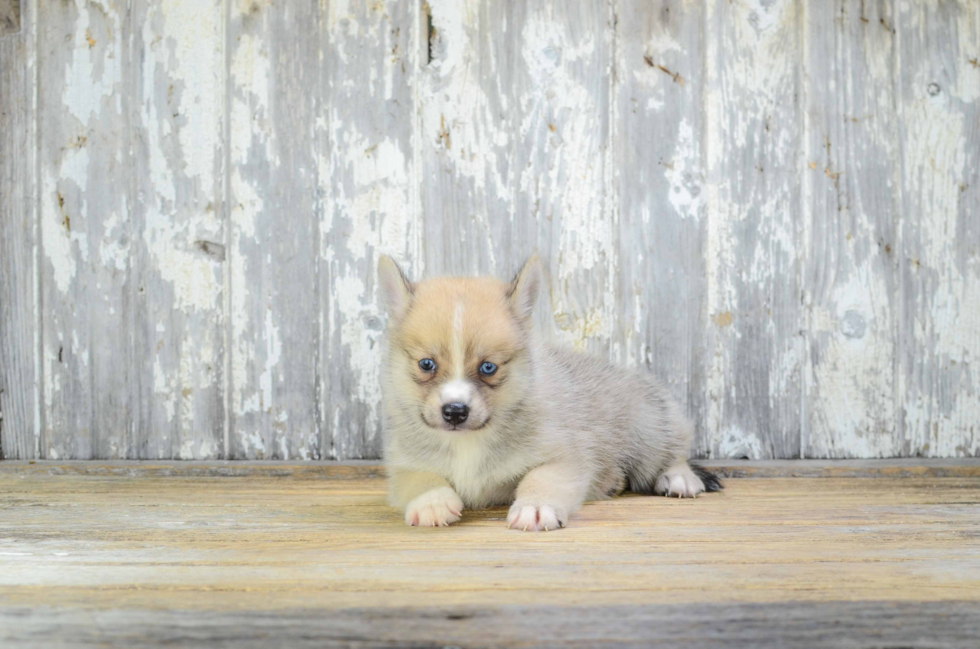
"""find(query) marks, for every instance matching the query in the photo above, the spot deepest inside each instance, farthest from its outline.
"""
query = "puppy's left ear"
(395, 287)
(523, 290)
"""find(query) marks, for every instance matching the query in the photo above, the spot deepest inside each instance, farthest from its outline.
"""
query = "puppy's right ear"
(523, 290)
(395, 287)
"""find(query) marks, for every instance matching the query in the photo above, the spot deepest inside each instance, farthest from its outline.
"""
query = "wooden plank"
(272, 544)
(753, 149)
(275, 100)
(85, 230)
(515, 120)
(853, 204)
(369, 469)
(792, 625)
(10, 23)
(514, 127)
(176, 86)
(562, 180)
(367, 156)
(306, 470)
(662, 211)
(939, 103)
(466, 100)
(18, 226)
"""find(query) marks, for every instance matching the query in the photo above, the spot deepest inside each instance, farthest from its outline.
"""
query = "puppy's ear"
(396, 290)
(523, 290)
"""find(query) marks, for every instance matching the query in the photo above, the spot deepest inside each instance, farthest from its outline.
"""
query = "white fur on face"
(457, 391)
(459, 354)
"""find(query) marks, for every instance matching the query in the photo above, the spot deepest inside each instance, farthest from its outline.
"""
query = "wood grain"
(794, 625)
(559, 154)
(753, 250)
(663, 216)
(791, 555)
(516, 144)
(466, 120)
(853, 168)
(939, 102)
(771, 205)
(10, 23)
(369, 149)
(275, 101)
(86, 231)
(19, 308)
(176, 83)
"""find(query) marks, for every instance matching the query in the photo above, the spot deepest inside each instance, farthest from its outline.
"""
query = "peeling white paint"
(254, 350)
(940, 382)
(371, 206)
(849, 390)
(464, 121)
(114, 249)
(751, 67)
(191, 274)
(452, 20)
(188, 43)
(577, 169)
(526, 156)
(93, 74)
(163, 388)
(361, 343)
(684, 174)
(194, 40)
(56, 237)
(272, 354)
(737, 443)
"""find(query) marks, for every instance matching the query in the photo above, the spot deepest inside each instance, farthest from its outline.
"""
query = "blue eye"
(427, 365)
(488, 368)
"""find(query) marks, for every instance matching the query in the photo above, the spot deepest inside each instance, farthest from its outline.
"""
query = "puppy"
(479, 413)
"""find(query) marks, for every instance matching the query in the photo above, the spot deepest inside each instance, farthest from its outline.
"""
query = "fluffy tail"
(710, 480)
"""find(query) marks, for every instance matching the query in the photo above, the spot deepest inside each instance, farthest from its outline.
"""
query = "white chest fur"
(479, 476)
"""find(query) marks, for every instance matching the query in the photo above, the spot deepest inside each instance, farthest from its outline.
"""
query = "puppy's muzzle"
(455, 413)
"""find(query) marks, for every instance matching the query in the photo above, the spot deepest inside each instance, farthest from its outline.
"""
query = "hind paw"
(679, 481)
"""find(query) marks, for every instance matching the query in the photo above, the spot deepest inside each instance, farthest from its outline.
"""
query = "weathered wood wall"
(774, 205)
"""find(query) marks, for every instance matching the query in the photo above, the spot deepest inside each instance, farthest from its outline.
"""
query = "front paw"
(532, 518)
(437, 508)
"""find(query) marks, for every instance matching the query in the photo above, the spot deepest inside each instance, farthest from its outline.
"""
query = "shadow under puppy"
(479, 412)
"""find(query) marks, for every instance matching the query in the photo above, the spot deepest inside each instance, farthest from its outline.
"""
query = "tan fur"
(549, 430)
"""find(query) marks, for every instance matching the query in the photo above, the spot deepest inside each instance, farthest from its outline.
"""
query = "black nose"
(455, 413)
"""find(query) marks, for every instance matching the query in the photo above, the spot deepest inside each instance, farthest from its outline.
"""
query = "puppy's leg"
(547, 496)
(427, 498)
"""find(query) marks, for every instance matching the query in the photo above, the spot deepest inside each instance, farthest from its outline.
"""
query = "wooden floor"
(855, 555)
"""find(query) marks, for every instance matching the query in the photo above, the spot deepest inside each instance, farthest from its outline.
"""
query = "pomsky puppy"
(479, 413)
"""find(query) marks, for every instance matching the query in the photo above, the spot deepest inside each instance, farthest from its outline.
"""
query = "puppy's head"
(459, 355)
